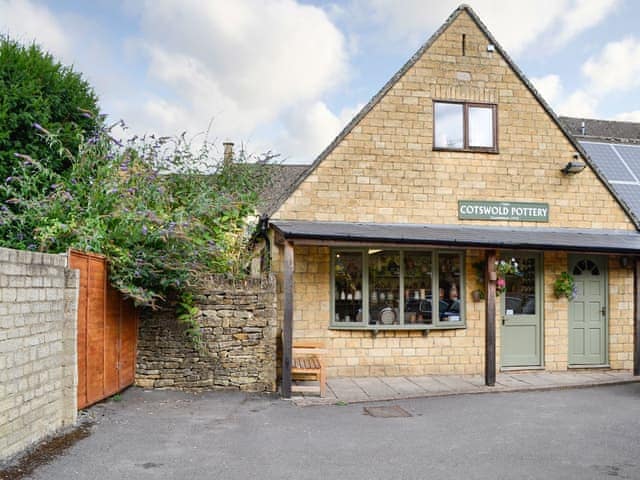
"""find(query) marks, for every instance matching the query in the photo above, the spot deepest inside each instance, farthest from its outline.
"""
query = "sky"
(285, 76)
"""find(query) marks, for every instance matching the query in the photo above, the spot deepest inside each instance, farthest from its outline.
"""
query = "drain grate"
(386, 412)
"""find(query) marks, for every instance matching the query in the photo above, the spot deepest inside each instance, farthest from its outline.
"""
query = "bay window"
(395, 289)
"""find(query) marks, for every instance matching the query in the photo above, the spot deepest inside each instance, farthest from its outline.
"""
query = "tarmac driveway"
(576, 433)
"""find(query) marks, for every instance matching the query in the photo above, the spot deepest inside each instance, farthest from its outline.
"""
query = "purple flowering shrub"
(165, 217)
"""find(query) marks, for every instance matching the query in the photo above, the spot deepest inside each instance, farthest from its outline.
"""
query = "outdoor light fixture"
(572, 168)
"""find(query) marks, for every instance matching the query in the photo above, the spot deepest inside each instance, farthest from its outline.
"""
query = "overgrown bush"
(164, 217)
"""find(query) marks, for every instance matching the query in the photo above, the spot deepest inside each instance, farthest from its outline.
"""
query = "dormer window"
(464, 126)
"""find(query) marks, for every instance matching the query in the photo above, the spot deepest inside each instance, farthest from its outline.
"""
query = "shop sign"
(516, 211)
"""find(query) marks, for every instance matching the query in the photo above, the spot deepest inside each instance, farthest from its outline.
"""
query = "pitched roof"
(609, 131)
(280, 179)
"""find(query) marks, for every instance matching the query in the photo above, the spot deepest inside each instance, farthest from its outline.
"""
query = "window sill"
(467, 150)
(376, 328)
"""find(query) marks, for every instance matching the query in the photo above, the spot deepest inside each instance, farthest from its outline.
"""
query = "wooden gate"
(107, 332)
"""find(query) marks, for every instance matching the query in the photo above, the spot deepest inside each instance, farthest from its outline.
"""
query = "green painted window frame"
(436, 324)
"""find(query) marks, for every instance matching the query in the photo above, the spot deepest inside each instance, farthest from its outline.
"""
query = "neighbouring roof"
(602, 130)
(280, 179)
(611, 241)
(410, 63)
(614, 148)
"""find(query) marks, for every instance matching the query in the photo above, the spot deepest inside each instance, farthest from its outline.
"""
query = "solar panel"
(631, 155)
(607, 161)
(630, 194)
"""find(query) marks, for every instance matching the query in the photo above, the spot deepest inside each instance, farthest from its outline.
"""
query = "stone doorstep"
(378, 389)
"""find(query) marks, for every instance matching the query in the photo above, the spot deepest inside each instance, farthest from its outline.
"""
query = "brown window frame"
(465, 127)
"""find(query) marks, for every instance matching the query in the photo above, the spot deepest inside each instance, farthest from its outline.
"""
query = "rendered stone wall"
(38, 353)
(238, 324)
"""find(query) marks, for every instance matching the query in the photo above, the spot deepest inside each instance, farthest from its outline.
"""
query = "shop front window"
(347, 286)
(417, 288)
(384, 285)
(378, 288)
(449, 276)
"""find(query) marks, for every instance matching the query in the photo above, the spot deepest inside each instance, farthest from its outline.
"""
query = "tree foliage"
(36, 89)
(163, 224)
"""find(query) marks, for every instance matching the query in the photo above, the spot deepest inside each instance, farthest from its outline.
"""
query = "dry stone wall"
(38, 355)
(238, 325)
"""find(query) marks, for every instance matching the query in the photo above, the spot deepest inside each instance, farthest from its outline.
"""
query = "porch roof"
(589, 240)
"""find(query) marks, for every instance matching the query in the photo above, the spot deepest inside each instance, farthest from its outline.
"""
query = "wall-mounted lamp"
(572, 168)
(625, 262)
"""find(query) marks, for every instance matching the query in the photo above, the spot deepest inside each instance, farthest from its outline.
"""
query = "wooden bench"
(308, 364)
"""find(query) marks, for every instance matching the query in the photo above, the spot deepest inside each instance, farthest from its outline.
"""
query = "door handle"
(503, 319)
(603, 310)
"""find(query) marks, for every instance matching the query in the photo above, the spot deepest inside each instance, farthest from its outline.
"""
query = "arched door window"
(586, 267)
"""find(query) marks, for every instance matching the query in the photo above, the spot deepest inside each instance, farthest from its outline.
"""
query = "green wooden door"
(588, 311)
(521, 313)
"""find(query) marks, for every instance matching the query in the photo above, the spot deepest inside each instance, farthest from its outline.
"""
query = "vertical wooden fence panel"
(95, 329)
(112, 342)
(83, 266)
(107, 332)
(128, 344)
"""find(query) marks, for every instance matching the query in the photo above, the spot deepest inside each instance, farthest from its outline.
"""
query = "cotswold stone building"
(456, 226)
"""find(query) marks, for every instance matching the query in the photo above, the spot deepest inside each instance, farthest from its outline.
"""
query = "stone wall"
(38, 355)
(238, 324)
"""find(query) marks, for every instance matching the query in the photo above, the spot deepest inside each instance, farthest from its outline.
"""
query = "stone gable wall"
(38, 354)
(238, 324)
(385, 169)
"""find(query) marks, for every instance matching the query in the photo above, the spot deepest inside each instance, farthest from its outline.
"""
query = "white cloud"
(239, 63)
(633, 116)
(311, 127)
(579, 104)
(516, 25)
(549, 86)
(615, 68)
(581, 16)
(26, 22)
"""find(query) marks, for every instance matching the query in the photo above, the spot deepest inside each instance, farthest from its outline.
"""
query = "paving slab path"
(367, 389)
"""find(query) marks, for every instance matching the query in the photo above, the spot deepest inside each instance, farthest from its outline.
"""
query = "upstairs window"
(464, 126)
